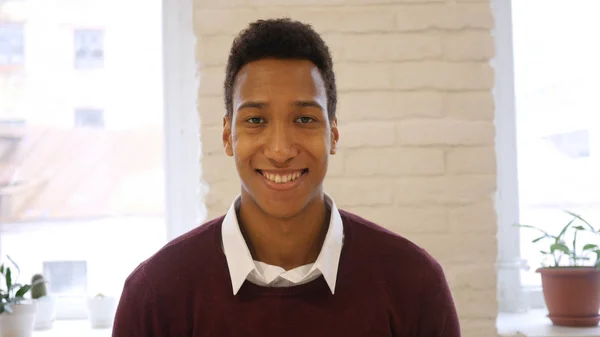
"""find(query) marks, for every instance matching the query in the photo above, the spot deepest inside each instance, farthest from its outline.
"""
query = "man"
(284, 261)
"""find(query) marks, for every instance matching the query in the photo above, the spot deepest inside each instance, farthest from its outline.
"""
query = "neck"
(286, 242)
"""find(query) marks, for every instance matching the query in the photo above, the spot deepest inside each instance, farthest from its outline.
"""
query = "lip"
(282, 186)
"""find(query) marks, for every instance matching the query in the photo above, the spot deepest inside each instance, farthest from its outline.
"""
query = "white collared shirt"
(242, 267)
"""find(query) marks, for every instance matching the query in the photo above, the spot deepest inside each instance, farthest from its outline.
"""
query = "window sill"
(534, 323)
(74, 328)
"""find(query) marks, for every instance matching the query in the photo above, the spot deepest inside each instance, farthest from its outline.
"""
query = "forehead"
(279, 77)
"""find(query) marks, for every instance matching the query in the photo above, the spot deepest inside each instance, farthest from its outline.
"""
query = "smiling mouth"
(282, 178)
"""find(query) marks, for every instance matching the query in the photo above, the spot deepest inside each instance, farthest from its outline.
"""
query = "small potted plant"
(16, 313)
(571, 273)
(101, 311)
(46, 304)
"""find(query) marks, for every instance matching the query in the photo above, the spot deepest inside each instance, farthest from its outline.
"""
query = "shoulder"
(183, 256)
(388, 249)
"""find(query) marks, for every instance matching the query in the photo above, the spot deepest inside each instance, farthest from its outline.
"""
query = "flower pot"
(101, 311)
(572, 295)
(20, 322)
(46, 313)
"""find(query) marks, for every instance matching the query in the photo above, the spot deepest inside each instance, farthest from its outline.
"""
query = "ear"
(227, 142)
(335, 136)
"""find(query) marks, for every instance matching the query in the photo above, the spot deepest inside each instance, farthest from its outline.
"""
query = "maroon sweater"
(386, 286)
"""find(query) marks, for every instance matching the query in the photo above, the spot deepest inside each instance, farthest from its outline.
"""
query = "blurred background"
(457, 119)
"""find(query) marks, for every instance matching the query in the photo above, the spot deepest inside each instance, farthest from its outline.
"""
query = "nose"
(280, 146)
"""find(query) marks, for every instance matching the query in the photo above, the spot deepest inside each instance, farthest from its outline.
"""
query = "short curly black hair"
(280, 38)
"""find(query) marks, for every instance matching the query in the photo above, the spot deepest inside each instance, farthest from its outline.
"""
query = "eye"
(305, 120)
(255, 120)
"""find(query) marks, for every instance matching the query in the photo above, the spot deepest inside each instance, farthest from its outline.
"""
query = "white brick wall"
(416, 121)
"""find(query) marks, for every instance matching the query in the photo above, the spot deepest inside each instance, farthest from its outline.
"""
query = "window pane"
(558, 118)
(89, 48)
(81, 175)
(12, 48)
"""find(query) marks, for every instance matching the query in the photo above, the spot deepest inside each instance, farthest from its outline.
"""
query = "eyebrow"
(261, 105)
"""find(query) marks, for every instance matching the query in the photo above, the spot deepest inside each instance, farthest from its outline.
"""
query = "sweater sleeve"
(437, 316)
(136, 314)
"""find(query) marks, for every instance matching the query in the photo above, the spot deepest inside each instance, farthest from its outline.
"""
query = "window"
(74, 199)
(89, 118)
(12, 44)
(89, 48)
(548, 134)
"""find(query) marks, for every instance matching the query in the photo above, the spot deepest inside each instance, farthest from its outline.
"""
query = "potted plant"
(46, 304)
(101, 311)
(16, 313)
(571, 273)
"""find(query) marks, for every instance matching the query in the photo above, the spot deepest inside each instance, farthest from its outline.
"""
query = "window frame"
(513, 296)
(184, 195)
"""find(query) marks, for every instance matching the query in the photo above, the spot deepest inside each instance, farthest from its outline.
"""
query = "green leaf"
(21, 292)
(2, 269)
(577, 216)
(561, 247)
(8, 278)
(543, 252)
(590, 246)
(533, 227)
(538, 239)
(579, 228)
(14, 264)
(563, 231)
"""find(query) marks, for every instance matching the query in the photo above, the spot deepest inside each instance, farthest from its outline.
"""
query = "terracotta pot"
(572, 295)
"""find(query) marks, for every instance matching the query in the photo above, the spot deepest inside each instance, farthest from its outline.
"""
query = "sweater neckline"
(318, 284)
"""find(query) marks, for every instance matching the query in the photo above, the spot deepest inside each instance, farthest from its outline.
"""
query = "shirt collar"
(240, 262)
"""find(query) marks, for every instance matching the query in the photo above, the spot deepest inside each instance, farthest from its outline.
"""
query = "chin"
(281, 209)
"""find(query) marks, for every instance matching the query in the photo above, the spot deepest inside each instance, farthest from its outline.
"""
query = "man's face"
(280, 135)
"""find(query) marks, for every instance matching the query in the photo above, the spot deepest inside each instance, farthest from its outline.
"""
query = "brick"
(212, 140)
(217, 168)
(403, 220)
(359, 106)
(449, 16)
(360, 192)
(221, 194)
(418, 75)
(216, 22)
(480, 217)
(211, 110)
(476, 303)
(444, 190)
(360, 76)
(346, 19)
(337, 165)
(445, 132)
(442, 75)
(472, 105)
(211, 81)
(469, 15)
(468, 160)
(371, 134)
(231, 21)
(462, 276)
(391, 47)
(480, 327)
(216, 4)
(321, 3)
(467, 76)
(450, 249)
(394, 162)
(213, 50)
(468, 46)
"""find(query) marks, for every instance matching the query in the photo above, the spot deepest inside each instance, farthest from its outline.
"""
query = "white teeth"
(282, 179)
